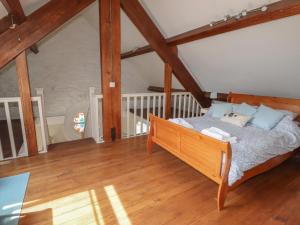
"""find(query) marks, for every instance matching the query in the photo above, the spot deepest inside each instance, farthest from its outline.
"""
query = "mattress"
(254, 146)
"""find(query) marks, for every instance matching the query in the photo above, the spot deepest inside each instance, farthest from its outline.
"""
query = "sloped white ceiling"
(262, 59)
(28, 6)
(177, 16)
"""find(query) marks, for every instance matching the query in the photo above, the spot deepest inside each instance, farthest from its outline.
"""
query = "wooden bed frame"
(206, 154)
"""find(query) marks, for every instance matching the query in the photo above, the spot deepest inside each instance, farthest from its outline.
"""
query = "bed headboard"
(290, 104)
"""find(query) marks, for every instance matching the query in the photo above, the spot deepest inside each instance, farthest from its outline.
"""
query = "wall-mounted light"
(13, 24)
(244, 12)
(264, 8)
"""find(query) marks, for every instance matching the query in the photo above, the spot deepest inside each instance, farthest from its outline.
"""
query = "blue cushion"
(219, 110)
(266, 118)
(244, 109)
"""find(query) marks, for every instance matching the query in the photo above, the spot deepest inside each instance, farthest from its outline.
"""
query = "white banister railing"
(136, 109)
(11, 114)
(185, 105)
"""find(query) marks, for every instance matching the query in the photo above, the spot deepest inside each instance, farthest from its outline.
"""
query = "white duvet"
(255, 145)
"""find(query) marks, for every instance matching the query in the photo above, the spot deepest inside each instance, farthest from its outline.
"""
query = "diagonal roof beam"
(38, 25)
(15, 10)
(275, 11)
(148, 29)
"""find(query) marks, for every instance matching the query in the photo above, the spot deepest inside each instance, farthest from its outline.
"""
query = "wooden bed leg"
(150, 135)
(224, 188)
(149, 144)
(222, 193)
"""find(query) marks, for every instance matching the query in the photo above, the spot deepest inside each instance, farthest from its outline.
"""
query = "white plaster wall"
(68, 64)
(65, 67)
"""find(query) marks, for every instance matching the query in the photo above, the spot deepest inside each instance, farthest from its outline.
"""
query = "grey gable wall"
(68, 64)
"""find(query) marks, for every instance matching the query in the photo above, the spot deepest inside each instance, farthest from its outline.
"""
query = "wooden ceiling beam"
(39, 24)
(275, 11)
(15, 10)
(151, 33)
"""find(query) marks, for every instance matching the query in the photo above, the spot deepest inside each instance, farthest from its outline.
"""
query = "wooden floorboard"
(84, 183)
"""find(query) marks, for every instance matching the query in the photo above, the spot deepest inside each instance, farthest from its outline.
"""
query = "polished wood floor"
(84, 183)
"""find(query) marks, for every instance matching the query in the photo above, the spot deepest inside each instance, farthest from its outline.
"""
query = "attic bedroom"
(149, 112)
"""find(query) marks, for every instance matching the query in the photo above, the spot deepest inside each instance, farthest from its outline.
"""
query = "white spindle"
(193, 109)
(97, 134)
(100, 102)
(134, 115)
(179, 107)
(189, 105)
(184, 106)
(198, 107)
(154, 105)
(174, 108)
(148, 112)
(142, 114)
(10, 130)
(127, 116)
(159, 106)
(164, 106)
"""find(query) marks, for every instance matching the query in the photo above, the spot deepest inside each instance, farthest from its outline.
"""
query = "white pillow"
(236, 119)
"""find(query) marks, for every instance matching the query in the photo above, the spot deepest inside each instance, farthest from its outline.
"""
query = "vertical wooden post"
(24, 91)
(168, 85)
(110, 44)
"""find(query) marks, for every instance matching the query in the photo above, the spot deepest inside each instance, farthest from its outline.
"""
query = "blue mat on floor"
(12, 194)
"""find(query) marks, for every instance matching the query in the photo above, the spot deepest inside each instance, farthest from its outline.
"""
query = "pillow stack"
(241, 114)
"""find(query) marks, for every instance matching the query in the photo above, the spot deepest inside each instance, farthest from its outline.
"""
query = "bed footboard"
(209, 156)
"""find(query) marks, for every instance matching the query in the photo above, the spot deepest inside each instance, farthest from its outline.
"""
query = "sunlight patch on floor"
(96, 208)
(117, 205)
(77, 207)
(81, 208)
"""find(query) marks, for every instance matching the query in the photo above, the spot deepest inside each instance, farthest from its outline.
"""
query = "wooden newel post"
(168, 86)
(110, 44)
(24, 91)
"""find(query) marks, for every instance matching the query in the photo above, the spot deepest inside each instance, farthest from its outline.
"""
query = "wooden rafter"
(16, 11)
(151, 33)
(275, 11)
(38, 25)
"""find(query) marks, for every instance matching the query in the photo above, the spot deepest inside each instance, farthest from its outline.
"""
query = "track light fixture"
(240, 15)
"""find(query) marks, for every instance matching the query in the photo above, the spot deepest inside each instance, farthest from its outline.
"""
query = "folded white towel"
(219, 131)
(181, 122)
(219, 135)
(212, 134)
